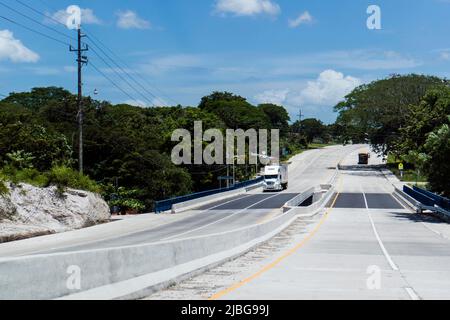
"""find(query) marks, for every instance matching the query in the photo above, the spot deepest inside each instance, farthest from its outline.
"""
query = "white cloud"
(70, 69)
(247, 7)
(87, 17)
(328, 89)
(303, 18)
(277, 97)
(14, 50)
(130, 20)
(445, 55)
(45, 71)
(181, 62)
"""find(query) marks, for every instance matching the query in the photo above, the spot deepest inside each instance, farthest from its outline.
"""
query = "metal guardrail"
(166, 205)
(422, 198)
(442, 202)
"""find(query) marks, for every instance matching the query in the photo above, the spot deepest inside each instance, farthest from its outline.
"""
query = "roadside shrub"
(126, 200)
(64, 177)
(29, 175)
(3, 188)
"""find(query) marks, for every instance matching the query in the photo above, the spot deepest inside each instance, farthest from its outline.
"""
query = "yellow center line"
(281, 258)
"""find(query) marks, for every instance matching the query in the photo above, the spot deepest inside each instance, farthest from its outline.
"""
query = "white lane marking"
(217, 221)
(222, 204)
(412, 294)
(383, 248)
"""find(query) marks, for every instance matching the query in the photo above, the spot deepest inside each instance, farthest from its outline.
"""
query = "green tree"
(377, 111)
(235, 111)
(278, 116)
(437, 166)
(425, 117)
(311, 129)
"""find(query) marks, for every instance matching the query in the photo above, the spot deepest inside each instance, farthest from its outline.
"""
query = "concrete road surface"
(306, 170)
(365, 245)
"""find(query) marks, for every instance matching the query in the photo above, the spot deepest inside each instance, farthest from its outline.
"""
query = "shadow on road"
(415, 217)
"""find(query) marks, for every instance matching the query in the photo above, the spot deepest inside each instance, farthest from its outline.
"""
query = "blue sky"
(300, 53)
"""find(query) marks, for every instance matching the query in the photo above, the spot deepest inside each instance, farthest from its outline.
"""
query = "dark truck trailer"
(364, 158)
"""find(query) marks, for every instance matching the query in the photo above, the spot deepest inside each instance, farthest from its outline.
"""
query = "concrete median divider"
(302, 197)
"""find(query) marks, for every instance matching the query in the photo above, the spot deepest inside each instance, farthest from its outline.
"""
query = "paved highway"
(306, 170)
(365, 245)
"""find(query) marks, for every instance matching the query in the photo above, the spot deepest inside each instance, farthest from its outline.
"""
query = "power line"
(35, 31)
(66, 44)
(110, 80)
(69, 37)
(92, 37)
(36, 21)
(124, 71)
(40, 13)
(120, 76)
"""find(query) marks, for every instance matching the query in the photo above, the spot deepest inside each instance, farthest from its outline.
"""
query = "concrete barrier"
(324, 198)
(104, 274)
(298, 200)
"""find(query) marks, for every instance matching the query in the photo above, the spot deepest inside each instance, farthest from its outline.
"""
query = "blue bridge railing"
(422, 198)
(442, 202)
(165, 205)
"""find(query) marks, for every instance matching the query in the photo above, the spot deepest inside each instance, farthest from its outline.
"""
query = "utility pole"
(300, 115)
(81, 60)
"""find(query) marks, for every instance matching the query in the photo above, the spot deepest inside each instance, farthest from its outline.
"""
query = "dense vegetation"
(127, 149)
(405, 117)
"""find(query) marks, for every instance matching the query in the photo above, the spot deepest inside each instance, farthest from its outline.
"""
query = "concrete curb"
(406, 200)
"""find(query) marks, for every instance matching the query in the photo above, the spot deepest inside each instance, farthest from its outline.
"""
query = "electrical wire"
(35, 31)
(94, 39)
(120, 76)
(121, 69)
(110, 80)
(40, 13)
(36, 21)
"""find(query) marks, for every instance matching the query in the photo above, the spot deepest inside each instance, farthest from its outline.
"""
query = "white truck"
(275, 178)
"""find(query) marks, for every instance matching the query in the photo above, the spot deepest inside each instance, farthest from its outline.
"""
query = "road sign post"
(401, 167)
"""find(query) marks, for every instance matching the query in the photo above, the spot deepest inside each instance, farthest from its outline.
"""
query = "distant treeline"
(127, 149)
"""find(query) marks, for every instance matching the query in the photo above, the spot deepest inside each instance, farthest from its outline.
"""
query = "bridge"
(341, 231)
